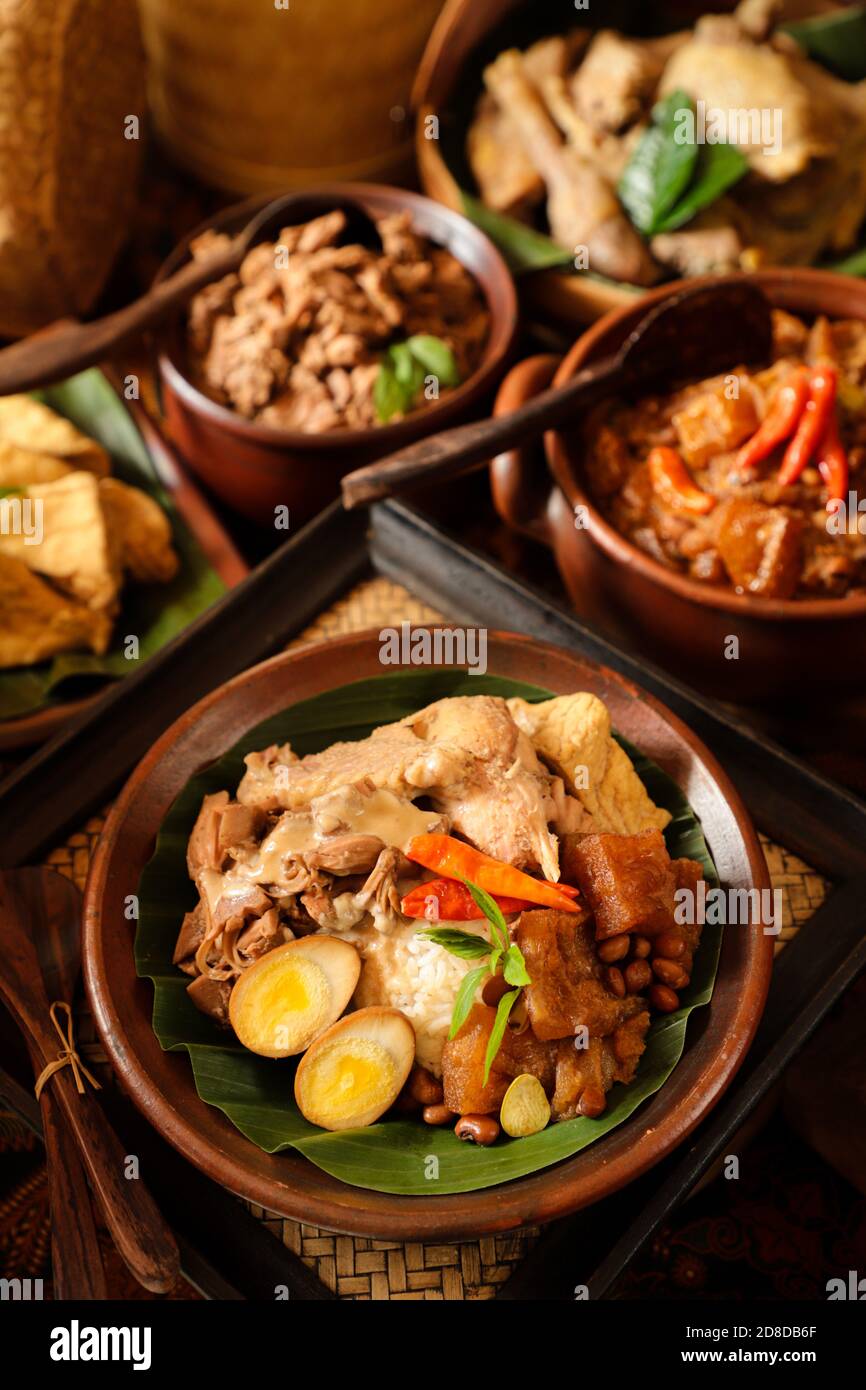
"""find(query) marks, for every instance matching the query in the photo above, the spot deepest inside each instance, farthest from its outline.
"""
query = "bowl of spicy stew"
(717, 525)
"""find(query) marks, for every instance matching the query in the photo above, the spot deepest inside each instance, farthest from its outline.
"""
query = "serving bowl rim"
(295, 1187)
(503, 327)
(566, 466)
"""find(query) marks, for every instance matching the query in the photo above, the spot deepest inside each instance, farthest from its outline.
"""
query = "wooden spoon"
(51, 905)
(65, 348)
(138, 1230)
(697, 333)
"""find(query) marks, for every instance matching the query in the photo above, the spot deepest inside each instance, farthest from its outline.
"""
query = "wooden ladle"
(699, 332)
(136, 1226)
(68, 347)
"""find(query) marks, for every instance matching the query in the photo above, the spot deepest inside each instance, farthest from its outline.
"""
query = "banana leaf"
(394, 1155)
(154, 613)
(837, 40)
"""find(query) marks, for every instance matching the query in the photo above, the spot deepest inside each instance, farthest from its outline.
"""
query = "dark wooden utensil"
(51, 906)
(70, 347)
(136, 1226)
(698, 333)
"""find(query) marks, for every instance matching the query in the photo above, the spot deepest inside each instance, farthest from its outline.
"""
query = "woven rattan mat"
(379, 1269)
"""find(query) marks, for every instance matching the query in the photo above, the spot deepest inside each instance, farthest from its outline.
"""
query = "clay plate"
(161, 1083)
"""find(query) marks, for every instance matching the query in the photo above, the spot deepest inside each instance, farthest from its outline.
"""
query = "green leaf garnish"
(404, 370)
(660, 168)
(668, 180)
(514, 967)
(492, 911)
(435, 357)
(719, 167)
(463, 1000)
(497, 1032)
(460, 943)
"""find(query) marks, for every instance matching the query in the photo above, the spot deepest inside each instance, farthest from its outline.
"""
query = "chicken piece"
(713, 422)
(38, 622)
(725, 69)
(573, 734)
(29, 424)
(507, 179)
(463, 1064)
(709, 245)
(627, 880)
(75, 550)
(761, 547)
(582, 207)
(142, 531)
(609, 153)
(20, 467)
(567, 990)
(502, 802)
(616, 80)
(466, 754)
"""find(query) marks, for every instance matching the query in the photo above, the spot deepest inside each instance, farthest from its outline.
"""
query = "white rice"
(404, 970)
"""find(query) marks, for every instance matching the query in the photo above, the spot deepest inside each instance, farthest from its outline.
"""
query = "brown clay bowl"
(784, 645)
(255, 468)
(161, 1083)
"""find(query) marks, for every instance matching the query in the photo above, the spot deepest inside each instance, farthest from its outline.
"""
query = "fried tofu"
(21, 467)
(572, 733)
(761, 547)
(38, 622)
(73, 548)
(140, 531)
(628, 881)
(29, 424)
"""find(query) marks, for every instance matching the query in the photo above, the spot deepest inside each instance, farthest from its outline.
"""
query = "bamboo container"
(253, 95)
(71, 74)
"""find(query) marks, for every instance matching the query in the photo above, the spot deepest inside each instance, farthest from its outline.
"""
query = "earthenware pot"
(161, 1083)
(255, 468)
(781, 645)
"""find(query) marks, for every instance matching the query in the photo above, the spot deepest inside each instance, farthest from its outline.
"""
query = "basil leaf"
(492, 911)
(497, 1033)
(514, 968)
(460, 943)
(718, 168)
(389, 396)
(495, 958)
(465, 997)
(661, 166)
(10, 491)
(404, 364)
(435, 357)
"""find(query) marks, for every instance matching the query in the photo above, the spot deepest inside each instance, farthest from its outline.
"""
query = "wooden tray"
(802, 811)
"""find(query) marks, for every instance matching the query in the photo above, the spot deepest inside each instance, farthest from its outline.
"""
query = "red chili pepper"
(447, 900)
(833, 462)
(817, 414)
(455, 859)
(781, 420)
(674, 484)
